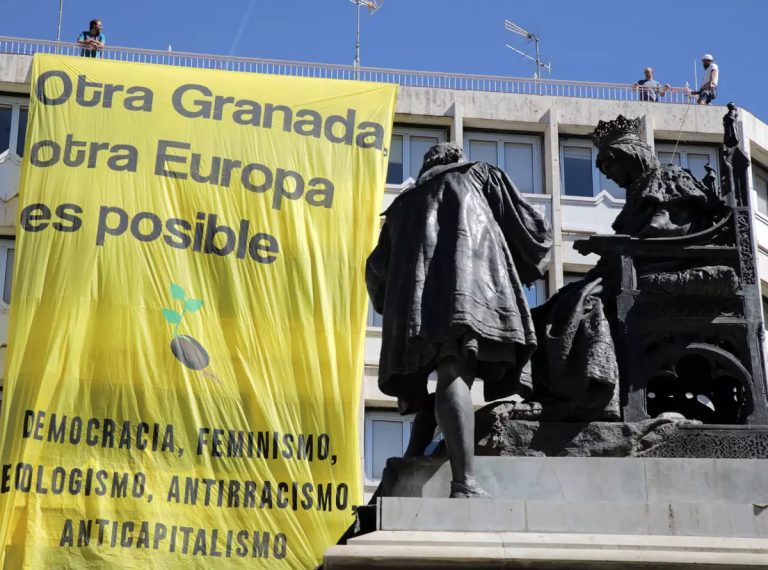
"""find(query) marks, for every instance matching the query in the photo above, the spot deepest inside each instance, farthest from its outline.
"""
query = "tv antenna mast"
(515, 29)
(373, 7)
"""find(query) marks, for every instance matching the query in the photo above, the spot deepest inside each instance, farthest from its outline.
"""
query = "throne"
(685, 313)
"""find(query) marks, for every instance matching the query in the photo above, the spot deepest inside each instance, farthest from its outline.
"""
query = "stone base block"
(569, 513)
(652, 518)
(423, 549)
(568, 479)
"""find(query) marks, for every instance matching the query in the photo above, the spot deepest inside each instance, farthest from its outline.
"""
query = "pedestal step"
(625, 479)
(422, 549)
(715, 519)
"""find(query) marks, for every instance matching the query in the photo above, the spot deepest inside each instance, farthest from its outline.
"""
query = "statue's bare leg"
(423, 428)
(456, 416)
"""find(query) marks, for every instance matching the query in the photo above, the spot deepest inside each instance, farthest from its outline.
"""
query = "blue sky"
(587, 40)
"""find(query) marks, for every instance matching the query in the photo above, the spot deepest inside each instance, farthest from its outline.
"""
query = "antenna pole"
(515, 29)
(58, 27)
(357, 43)
(695, 76)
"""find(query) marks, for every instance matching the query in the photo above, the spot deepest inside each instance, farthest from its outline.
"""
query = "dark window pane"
(387, 441)
(374, 318)
(5, 128)
(485, 151)
(765, 310)
(530, 295)
(518, 163)
(611, 187)
(535, 293)
(419, 147)
(577, 171)
(395, 168)
(571, 277)
(696, 163)
(9, 254)
(22, 136)
(667, 158)
(761, 187)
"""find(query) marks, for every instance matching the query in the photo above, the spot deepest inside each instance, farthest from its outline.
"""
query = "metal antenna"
(58, 27)
(515, 29)
(695, 75)
(373, 7)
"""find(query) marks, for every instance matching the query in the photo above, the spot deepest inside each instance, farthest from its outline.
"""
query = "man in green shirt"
(92, 41)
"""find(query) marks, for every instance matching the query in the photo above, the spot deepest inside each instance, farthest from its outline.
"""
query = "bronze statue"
(662, 200)
(447, 275)
(733, 162)
(575, 369)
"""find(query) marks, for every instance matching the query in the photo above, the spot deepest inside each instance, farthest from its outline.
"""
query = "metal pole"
(695, 77)
(357, 42)
(538, 58)
(58, 27)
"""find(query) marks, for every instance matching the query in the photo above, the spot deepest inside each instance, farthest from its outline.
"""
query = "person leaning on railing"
(92, 41)
(650, 89)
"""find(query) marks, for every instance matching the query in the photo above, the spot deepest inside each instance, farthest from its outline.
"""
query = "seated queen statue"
(575, 372)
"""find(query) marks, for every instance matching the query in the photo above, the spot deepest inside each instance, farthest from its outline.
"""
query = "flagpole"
(58, 27)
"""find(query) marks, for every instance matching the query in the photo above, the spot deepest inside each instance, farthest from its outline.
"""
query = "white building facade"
(540, 140)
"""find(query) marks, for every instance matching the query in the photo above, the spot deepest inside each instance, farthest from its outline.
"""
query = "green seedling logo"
(186, 349)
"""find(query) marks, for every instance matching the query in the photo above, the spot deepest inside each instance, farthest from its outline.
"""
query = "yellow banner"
(183, 374)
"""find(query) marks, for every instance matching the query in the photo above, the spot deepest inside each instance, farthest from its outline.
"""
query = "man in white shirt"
(708, 90)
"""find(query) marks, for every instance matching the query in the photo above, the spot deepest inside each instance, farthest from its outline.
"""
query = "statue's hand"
(595, 287)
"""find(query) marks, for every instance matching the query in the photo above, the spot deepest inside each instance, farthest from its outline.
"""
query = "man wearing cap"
(708, 90)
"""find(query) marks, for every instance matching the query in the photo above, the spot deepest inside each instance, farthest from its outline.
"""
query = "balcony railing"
(456, 81)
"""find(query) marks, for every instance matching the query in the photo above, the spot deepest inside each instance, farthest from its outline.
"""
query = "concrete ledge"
(618, 479)
(413, 549)
(15, 73)
(600, 517)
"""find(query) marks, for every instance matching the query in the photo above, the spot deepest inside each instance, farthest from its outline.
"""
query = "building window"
(386, 435)
(518, 155)
(692, 157)
(765, 310)
(21, 135)
(572, 277)
(760, 184)
(579, 174)
(375, 320)
(536, 292)
(13, 127)
(7, 252)
(6, 114)
(407, 149)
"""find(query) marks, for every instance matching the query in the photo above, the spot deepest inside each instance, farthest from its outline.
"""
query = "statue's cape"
(448, 274)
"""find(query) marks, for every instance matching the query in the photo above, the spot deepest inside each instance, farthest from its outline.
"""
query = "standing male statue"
(448, 274)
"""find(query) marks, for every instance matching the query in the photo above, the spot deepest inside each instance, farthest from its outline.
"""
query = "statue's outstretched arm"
(526, 231)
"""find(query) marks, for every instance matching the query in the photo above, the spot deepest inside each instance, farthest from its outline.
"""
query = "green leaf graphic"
(177, 291)
(193, 304)
(172, 316)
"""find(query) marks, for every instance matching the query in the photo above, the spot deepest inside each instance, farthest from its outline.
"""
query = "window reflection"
(21, 137)
(577, 171)
(6, 113)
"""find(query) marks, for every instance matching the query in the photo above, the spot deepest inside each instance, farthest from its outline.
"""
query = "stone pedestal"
(569, 512)
(439, 550)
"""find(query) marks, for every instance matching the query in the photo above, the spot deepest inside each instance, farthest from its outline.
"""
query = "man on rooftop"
(650, 89)
(92, 40)
(708, 90)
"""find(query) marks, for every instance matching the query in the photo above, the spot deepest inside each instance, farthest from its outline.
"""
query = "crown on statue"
(620, 129)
